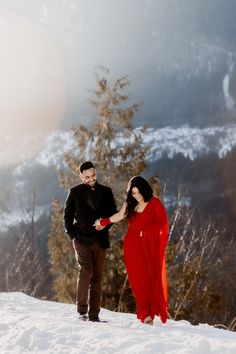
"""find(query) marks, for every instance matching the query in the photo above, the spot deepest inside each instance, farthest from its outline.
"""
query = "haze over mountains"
(179, 56)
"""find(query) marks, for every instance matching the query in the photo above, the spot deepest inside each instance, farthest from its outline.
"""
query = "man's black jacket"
(82, 207)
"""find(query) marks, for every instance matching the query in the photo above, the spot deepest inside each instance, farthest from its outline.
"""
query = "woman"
(144, 248)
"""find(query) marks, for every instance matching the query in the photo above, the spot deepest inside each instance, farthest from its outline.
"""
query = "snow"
(29, 325)
(190, 142)
(14, 217)
(50, 150)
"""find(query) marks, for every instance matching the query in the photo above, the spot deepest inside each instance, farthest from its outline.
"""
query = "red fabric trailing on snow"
(144, 254)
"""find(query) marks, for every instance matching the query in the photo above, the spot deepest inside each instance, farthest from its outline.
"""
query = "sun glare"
(32, 78)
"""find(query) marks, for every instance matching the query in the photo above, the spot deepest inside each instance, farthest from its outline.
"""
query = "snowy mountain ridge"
(49, 150)
(190, 142)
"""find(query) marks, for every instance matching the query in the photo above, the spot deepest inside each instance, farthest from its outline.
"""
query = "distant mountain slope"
(201, 160)
(169, 141)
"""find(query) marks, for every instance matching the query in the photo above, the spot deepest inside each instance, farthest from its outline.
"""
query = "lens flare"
(32, 84)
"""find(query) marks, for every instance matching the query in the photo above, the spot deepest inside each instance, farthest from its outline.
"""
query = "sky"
(29, 325)
(179, 56)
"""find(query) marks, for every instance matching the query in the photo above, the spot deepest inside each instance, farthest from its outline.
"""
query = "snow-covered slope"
(29, 325)
(190, 142)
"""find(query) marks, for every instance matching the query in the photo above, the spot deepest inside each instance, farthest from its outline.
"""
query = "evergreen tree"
(116, 147)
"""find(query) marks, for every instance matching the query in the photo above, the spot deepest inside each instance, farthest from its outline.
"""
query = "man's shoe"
(83, 316)
(95, 319)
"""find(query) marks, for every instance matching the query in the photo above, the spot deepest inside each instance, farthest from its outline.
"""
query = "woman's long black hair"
(144, 188)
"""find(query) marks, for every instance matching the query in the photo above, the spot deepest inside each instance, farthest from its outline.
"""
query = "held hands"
(97, 225)
(101, 223)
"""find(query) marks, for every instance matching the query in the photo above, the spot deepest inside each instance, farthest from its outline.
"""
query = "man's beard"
(92, 186)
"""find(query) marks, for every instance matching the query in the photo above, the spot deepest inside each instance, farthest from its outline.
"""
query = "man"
(86, 203)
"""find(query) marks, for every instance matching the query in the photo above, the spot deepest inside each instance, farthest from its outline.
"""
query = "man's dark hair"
(85, 166)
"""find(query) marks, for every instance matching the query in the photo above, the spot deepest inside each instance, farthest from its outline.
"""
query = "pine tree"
(116, 147)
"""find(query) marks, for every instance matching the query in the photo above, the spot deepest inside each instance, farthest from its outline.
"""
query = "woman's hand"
(97, 225)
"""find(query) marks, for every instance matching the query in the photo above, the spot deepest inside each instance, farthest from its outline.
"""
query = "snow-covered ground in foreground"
(29, 325)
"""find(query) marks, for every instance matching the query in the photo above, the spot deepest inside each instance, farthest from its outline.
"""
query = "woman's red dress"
(144, 255)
